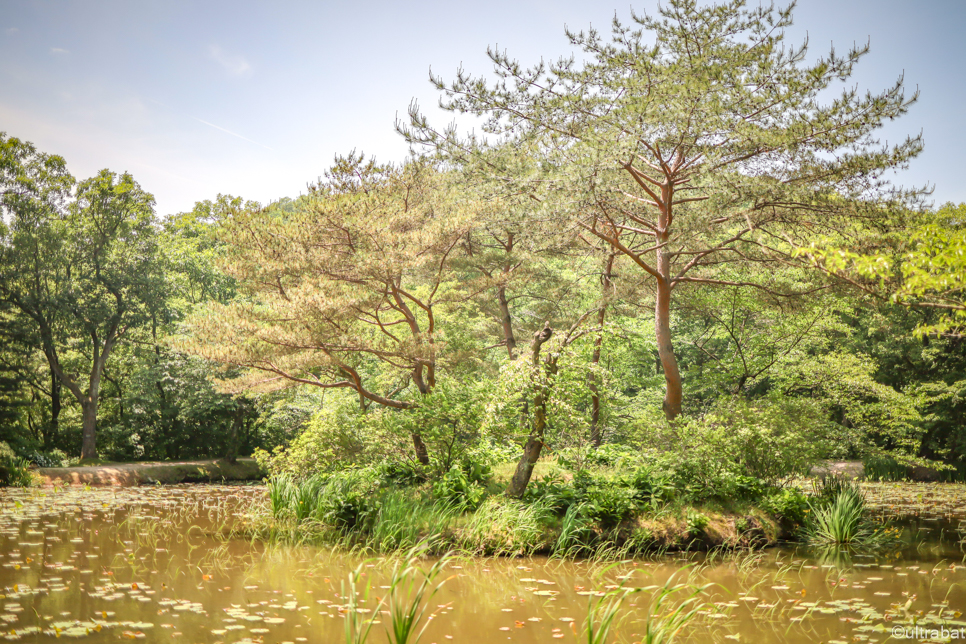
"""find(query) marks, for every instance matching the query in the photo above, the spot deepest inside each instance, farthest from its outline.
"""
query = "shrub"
(788, 504)
(400, 473)
(456, 489)
(552, 492)
(603, 501)
(53, 458)
(347, 499)
(607, 455)
(14, 470)
(697, 523)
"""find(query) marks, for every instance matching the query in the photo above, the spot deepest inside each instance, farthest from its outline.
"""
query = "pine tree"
(690, 140)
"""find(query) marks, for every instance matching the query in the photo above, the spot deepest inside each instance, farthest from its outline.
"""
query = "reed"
(410, 591)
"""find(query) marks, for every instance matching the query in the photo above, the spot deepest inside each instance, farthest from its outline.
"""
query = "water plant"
(841, 521)
(664, 618)
(356, 626)
(838, 514)
(410, 590)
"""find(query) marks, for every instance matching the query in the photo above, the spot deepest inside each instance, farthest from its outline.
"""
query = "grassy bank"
(602, 513)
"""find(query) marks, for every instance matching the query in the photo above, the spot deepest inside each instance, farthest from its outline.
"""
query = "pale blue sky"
(255, 98)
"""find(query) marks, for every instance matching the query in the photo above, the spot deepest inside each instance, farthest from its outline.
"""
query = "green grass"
(838, 515)
(879, 468)
(597, 516)
(403, 519)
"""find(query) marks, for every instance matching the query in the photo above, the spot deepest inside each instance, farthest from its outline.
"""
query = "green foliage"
(789, 504)
(735, 448)
(403, 299)
(871, 417)
(883, 468)
(403, 518)
(448, 419)
(606, 502)
(342, 500)
(504, 526)
(14, 470)
(602, 614)
(697, 523)
(925, 267)
(172, 410)
(356, 625)
(459, 488)
(53, 458)
(608, 455)
(839, 520)
(672, 608)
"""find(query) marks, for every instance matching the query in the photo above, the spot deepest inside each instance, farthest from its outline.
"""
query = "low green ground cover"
(608, 507)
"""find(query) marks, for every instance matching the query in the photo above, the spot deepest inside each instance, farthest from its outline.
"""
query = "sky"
(254, 99)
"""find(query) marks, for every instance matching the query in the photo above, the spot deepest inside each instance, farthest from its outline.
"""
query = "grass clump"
(664, 617)
(838, 515)
(406, 601)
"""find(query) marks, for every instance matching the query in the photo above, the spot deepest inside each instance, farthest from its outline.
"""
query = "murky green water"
(148, 564)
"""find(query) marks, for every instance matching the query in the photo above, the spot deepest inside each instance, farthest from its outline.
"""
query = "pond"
(153, 564)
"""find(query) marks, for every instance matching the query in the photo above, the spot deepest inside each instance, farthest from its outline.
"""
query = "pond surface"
(151, 564)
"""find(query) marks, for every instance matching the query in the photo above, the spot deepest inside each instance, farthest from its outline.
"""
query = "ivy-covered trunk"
(538, 423)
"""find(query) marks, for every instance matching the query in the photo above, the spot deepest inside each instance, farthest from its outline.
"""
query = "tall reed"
(356, 625)
(410, 591)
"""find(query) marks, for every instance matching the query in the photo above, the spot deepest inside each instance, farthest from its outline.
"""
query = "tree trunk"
(596, 433)
(531, 452)
(422, 454)
(231, 449)
(662, 306)
(53, 429)
(662, 327)
(506, 322)
(534, 445)
(89, 417)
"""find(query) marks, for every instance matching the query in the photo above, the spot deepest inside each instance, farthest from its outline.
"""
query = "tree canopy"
(691, 140)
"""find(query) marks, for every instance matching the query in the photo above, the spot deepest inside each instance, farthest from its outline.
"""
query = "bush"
(697, 523)
(552, 492)
(347, 499)
(605, 502)
(14, 470)
(53, 458)
(788, 504)
(735, 451)
(400, 473)
(458, 490)
(608, 455)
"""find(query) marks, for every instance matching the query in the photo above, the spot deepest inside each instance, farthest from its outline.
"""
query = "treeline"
(673, 238)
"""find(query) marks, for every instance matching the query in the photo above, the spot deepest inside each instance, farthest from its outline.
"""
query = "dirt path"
(130, 474)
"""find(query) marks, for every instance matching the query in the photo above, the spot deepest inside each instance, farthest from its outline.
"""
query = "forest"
(674, 265)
